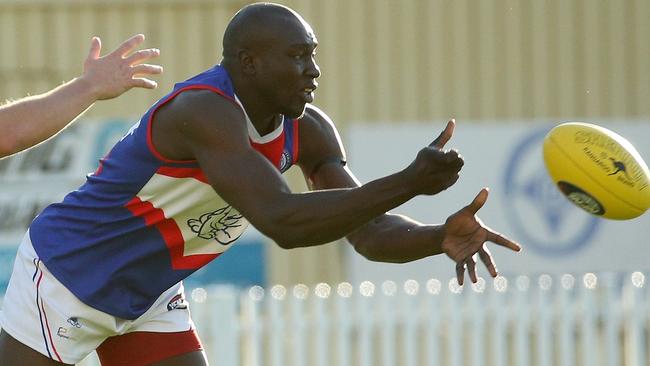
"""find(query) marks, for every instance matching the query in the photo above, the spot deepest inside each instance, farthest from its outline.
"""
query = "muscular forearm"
(318, 217)
(34, 119)
(397, 239)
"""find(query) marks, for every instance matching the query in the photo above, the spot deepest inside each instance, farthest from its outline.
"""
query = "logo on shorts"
(177, 302)
(217, 225)
(68, 333)
(63, 333)
(74, 321)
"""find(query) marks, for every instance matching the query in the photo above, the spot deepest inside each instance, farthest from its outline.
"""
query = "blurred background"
(393, 72)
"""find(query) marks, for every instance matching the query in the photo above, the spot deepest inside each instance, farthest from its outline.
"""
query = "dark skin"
(269, 80)
(269, 53)
(396, 238)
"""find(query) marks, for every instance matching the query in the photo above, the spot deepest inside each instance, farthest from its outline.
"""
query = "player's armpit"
(322, 155)
(337, 160)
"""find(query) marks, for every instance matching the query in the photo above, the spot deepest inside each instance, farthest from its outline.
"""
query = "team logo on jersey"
(218, 225)
(177, 302)
(285, 161)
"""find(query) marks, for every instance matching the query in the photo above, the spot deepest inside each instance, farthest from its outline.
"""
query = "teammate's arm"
(397, 238)
(31, 120)
(204, 126)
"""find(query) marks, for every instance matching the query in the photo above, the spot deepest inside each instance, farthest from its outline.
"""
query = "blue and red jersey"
(142, 222)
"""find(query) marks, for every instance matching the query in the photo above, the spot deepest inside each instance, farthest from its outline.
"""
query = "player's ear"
(246, 62)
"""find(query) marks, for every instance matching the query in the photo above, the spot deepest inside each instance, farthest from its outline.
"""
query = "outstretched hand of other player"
(120, 70)
(465, 240)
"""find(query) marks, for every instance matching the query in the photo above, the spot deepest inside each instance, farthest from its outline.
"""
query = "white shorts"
(41, 313)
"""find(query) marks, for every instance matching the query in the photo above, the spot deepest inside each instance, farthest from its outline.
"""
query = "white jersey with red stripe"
(141, 223)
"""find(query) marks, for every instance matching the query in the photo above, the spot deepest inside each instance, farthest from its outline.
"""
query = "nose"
(312, 69)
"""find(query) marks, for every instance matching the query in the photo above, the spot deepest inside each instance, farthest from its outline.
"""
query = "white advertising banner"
(523, 204)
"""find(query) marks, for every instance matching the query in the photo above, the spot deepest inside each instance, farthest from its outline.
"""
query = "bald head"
(269, 54)
(258, 25)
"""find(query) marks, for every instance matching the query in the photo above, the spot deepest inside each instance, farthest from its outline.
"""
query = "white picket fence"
(590, 320)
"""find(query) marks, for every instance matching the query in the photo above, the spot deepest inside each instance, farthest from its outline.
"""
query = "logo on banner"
(541, 216)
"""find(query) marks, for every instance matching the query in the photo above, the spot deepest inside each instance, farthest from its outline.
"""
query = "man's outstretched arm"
(31, 120)
(204, 126)
(397, 238)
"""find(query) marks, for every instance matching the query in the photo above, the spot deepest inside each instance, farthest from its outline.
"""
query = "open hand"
(465, 238)
(117, 72)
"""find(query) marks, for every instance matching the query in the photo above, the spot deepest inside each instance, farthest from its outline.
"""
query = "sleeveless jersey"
(141, 222)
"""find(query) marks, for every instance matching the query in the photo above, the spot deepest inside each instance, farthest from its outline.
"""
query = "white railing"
(589, 320)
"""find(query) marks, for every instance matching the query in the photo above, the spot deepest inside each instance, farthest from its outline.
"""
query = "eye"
(304, 54)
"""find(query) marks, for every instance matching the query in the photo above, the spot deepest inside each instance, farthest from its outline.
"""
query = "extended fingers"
(143, 83)
(499, 239)
(486, 258)
(142, 55)
(145, 69)
(470, 264)
(471, 268)
(460, 272)
(128, 45)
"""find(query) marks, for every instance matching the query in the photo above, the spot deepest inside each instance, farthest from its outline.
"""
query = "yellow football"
(598, 170)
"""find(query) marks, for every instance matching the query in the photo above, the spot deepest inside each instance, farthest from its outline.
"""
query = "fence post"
(522, 323)
(321, 325)
(343, 308)
(277, 325)
(410, 317)
(498, 331)
(589, 316)
(566, 321)
(300, 295)
(454, 316)
(366, 328)
(387, 314)
(250, 314)
(544, 321)
(634, 319)
(612, 319)
(221, 315)
(476, 314)
(432, 310)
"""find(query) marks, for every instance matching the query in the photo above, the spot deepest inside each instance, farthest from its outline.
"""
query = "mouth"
(308, 93)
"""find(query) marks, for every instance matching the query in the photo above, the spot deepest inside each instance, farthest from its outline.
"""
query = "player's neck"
(263, 121)
(260, 113)
(268, 125)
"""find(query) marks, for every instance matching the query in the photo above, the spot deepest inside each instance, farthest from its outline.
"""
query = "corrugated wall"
(382, 60)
